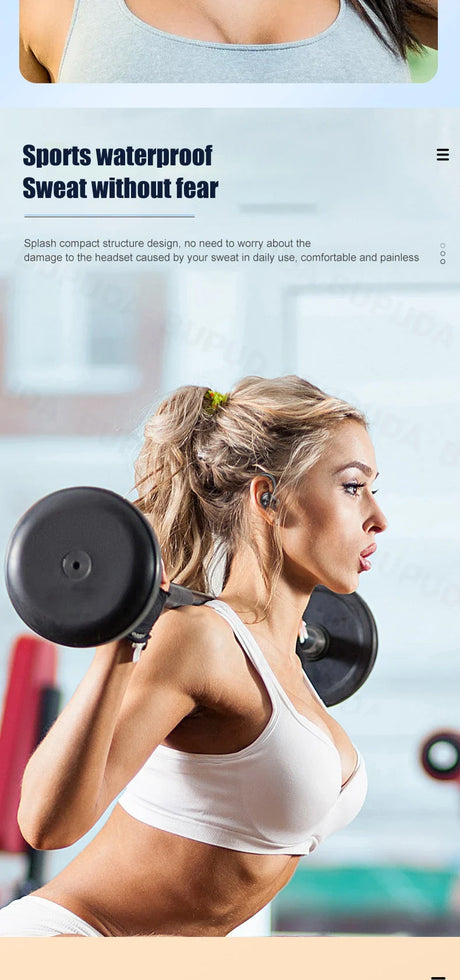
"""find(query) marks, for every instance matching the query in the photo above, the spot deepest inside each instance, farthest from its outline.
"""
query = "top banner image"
(188, 41)
(205, 53)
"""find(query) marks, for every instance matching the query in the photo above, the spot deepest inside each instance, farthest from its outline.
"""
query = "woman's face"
(332, 523)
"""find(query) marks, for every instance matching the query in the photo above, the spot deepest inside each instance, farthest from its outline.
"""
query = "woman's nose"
(377, 521)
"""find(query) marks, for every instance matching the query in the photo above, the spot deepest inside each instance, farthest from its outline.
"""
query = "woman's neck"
(246, 593)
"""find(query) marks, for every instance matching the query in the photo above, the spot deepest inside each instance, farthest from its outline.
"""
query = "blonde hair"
(196, 465)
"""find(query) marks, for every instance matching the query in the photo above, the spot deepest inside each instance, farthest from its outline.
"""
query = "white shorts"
(34, 916)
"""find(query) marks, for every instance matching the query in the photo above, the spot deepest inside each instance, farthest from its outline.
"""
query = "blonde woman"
(229, 765)
(212, 41)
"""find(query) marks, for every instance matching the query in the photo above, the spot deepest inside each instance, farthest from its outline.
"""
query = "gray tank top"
(108, 43)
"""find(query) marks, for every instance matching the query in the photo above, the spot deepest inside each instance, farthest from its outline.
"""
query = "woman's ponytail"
(166, 482)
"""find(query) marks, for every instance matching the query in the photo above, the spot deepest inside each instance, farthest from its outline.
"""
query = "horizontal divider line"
(110, 216)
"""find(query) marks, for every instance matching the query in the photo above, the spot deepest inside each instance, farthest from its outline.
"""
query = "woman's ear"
(263, 491)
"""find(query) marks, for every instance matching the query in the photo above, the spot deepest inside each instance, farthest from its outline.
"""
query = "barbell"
(83, 567)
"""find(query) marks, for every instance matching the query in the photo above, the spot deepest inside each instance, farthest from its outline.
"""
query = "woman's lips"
(363, 558)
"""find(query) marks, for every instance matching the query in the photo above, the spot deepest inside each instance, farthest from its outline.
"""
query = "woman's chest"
(241, 22)
(243, 705)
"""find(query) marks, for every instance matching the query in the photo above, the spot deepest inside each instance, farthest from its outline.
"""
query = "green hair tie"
(212, 400)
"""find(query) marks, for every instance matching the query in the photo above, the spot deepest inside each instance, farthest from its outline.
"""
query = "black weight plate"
(81, 566)
(352, 648)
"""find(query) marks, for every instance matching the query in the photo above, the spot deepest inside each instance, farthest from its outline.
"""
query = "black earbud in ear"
(268, 498)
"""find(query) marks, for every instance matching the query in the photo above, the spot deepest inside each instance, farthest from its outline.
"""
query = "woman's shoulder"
(40, 16)
(200, 628)
(200, 642)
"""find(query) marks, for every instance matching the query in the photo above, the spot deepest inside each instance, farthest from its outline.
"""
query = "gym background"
(84, 353)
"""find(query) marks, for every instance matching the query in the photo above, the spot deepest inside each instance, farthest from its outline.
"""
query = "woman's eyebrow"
(356, 464)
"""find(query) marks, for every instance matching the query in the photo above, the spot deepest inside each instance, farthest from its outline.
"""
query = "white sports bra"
(280, 795)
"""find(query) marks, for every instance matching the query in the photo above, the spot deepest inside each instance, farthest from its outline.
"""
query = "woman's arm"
(43, 29)
(425, 25)
(29, 32)
(29, 66)
(119, 714)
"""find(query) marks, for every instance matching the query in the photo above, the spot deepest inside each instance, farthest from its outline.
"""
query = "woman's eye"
(352, 488)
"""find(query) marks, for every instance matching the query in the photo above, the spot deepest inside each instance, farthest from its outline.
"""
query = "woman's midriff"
(133, 879)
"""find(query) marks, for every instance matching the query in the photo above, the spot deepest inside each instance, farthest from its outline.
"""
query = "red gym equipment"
(30, 706)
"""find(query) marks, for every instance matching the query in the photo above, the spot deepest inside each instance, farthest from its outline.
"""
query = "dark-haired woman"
(214, 41)
(230, 764)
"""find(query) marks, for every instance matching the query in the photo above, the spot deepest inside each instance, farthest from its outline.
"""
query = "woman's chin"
(343, 586)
